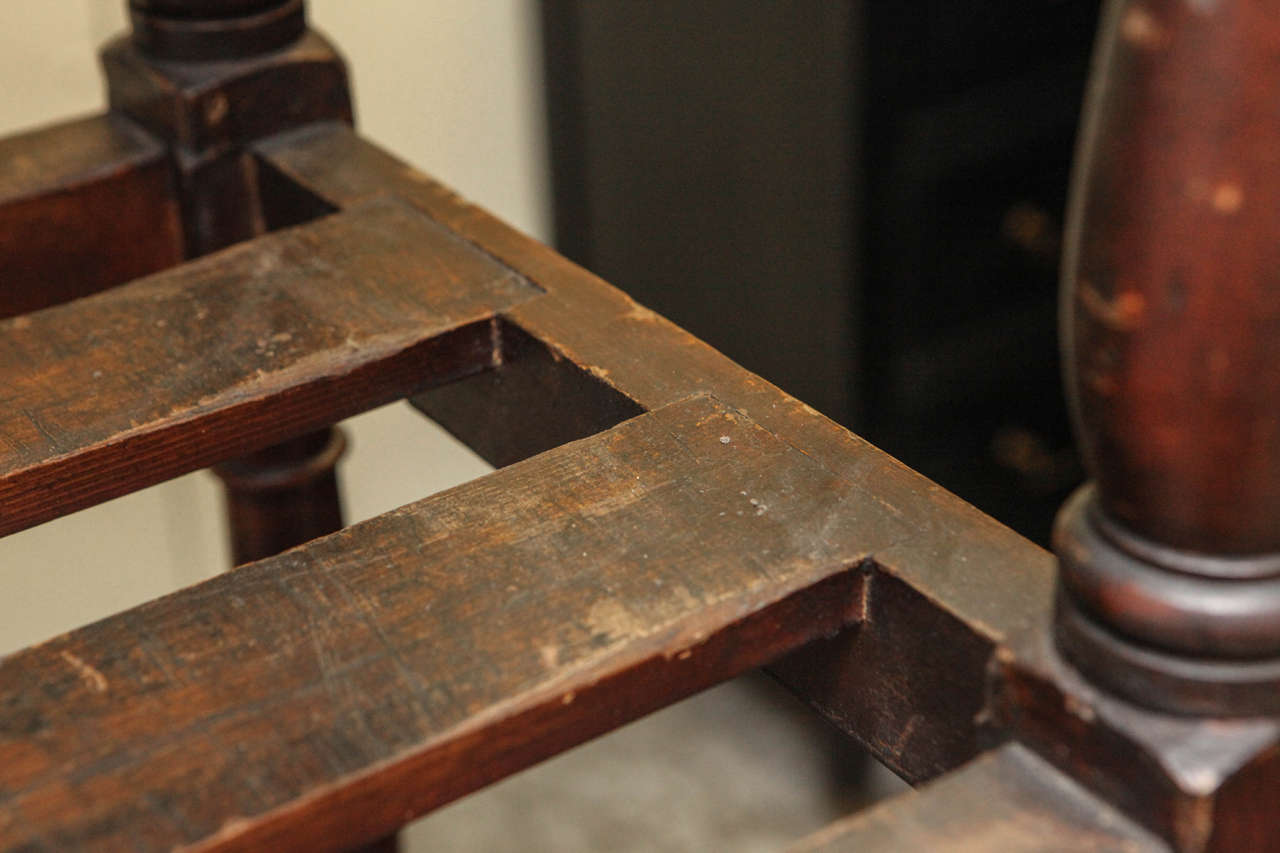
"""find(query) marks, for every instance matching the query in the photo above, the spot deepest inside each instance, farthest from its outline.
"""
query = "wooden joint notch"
(236, 351)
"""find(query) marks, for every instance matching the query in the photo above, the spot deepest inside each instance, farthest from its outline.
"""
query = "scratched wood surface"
(55, 182)
(1008, 800)
(974, 581)
(700, 521)
(236, 351)
(325, 696)
(526, 351)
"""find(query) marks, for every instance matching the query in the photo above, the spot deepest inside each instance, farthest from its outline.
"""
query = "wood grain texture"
(228, 354)
(325, 696)
(921, 701)
(953, 548)
(1008, 801)
(988, 583)
(533, 401)
(909, 685)
(1170, 558)
(55, 183)
(320, 698)
(1172, 307)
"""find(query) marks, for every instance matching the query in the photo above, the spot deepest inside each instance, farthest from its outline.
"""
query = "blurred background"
(862, 201)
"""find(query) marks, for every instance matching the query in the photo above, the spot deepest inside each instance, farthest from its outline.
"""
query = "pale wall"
(453, 86)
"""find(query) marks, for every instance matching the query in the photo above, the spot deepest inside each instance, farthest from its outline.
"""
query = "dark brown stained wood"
(551, 399)
(909, 685)
(325, 696)
(1007, 800)
(71, 153)
(248, 347)
(202, 107)
(1173, 308)
(209, 30)
(206, 112)
(55, 183)
(1170, 557)
(283, 495)
(1185, 779)
(988, 593)
(330, 694)
(987, 582)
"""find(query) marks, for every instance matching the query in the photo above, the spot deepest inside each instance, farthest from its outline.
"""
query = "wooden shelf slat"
(233, 352)
(323, 697)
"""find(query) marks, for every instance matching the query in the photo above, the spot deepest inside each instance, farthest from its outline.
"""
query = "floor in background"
(741, 767)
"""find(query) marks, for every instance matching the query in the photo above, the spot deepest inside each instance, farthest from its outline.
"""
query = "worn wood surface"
(1174, 311)
(698, 522)
(55, 184)
(989, 595)
(1008, 800)
(868, 521)
(955, 559)
(465, 622)
(1196, 783)
(319, 698)
(1170, 559)
(244, 70)
(228, 354)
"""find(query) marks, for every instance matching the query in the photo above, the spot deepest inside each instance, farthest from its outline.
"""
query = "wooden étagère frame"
(662, 520)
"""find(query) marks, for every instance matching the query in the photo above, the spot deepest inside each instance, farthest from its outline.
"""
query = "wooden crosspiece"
(661, 520)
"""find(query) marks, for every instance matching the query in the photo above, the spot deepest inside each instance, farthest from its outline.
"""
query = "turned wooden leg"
(284, 495)
(1170, 559)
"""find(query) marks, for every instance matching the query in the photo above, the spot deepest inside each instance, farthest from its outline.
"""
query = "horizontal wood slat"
(975, 583)
(955, 651)
(323, 697)
(1007, 800)
(646, 358)
(250, 346)
(55, 183)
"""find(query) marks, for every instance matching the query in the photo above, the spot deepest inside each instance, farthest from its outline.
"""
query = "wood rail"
(52, 183)
(663, 519)
(405, 661)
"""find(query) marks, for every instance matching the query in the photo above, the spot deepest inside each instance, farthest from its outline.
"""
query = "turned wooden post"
(210, 77)
(209, 30)
(1170, 558)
